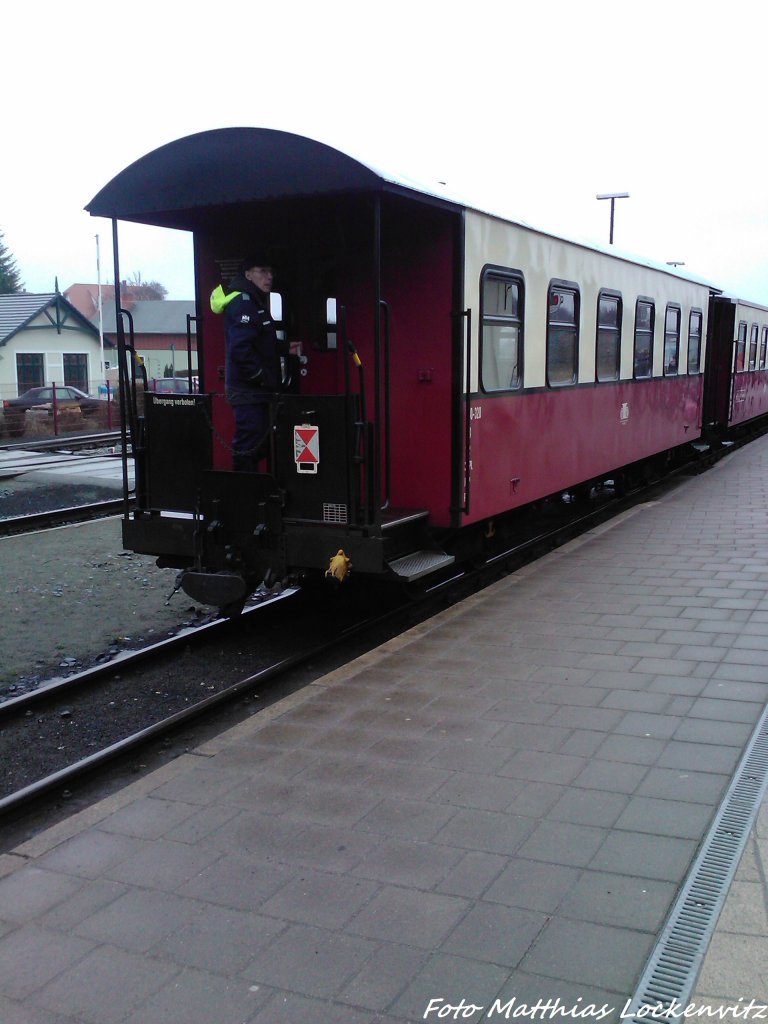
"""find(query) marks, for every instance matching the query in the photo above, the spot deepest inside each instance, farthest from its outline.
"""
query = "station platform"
(500, 805)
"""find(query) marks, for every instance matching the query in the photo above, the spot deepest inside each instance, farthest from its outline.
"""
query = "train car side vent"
(674, 964)
(334, 513)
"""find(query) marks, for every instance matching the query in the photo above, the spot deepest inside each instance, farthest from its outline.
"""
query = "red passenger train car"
(448, 367)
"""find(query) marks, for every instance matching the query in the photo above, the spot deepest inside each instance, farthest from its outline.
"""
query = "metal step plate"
(420, 563)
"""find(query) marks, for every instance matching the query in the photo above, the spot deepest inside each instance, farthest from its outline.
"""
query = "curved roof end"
(228, 165)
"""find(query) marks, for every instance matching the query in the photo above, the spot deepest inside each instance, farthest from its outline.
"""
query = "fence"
(56, 410)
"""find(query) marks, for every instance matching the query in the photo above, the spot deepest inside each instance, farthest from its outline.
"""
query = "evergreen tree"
(10, 281)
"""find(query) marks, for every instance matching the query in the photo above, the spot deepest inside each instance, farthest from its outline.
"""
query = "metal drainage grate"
(675, 961)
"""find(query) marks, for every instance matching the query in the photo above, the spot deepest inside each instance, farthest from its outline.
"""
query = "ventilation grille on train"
(334, 513)
(676, 960)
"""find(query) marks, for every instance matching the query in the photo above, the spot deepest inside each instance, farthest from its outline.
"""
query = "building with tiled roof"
(44, 339)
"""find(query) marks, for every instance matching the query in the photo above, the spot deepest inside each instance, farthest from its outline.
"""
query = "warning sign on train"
(306, 448)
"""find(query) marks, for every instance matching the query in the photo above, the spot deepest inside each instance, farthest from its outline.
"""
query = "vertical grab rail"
(467, 314)
(190, 318)
(387, 420)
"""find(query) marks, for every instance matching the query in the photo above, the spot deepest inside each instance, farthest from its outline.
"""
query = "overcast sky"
(526, 108)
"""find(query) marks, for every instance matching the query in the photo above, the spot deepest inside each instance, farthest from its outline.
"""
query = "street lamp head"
(613, 195)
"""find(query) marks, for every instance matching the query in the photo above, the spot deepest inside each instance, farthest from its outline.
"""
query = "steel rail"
(38, 521)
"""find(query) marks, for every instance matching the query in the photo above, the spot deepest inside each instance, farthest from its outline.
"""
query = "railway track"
(68, 516)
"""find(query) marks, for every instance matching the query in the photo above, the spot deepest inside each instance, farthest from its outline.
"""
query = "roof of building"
(19, 309)
(158, 316)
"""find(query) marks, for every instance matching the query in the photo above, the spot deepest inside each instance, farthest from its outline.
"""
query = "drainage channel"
(674, 964)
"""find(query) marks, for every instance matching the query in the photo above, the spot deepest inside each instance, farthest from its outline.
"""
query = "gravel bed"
(73, 596)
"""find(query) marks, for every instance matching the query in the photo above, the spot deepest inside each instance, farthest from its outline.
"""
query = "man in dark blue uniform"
(252, 371)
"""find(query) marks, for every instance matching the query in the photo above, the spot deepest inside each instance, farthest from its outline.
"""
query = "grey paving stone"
(406, 819)
(489, 831)
(600, 719)
(89, 853)
(532, 885)
(219, 939)
(259, 834)
(13, 1012)
(420, 919)
(201, 786)
(614, 899)
(605, 957)
(612, 776)
(645, 856)
(665, 817)
(495, 934)
(328, 848)
(163, 865)
(148, 817)
(472, 874)
(386, 975)
(539, 766)
(676, 784)
(450, 980)
(288, 1008)
(310, 961)
(633, 700)
(709, 731)
(722, 710)
(639, 750)
(589, 807)
(528, 736)
(198, 997)
(328, 901)
(471, 789)
(572, 693)
(90, 897)
(524, 991)
(563, 843)
(695, 757)
(31, 891)
(30, 956)
(658, 727)
(138, 919)
(399, 862)
(582, 743)
(202, 823)
(470, 757)
(106, 986)
(237, 881)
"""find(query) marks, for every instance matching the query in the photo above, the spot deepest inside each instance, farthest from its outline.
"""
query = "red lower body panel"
(529, 445)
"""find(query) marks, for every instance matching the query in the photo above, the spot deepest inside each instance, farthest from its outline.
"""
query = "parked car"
(170, 385)
(67, 397)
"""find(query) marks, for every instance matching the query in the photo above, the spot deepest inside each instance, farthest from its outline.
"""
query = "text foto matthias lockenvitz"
(554, 1009)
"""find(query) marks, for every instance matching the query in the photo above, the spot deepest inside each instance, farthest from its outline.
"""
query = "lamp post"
(613, 196)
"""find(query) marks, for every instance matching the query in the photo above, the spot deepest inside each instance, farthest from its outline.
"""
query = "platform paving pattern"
(500, 804)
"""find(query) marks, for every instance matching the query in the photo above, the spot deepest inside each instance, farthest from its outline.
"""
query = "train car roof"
(175, 185)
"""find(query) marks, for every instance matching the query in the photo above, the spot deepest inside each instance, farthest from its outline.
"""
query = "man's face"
(261, 277)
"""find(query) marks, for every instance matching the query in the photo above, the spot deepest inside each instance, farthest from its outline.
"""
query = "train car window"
(753, 336)
(645, 316)
(741, 347)
(502, 296)
(763, 347)
(331, 334)
(671, 340)
(694, 341)
(562, 334)
(608, 349)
